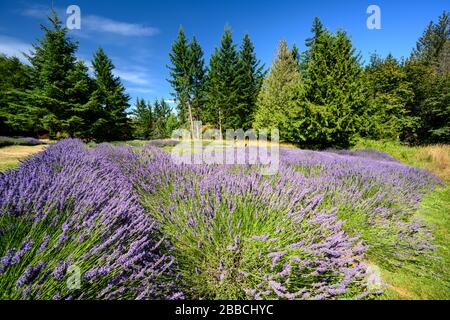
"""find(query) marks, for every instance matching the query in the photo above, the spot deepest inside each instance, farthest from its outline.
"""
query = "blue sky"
(138, 35)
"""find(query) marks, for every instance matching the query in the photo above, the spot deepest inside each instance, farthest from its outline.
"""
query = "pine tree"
(57, 78)
(437, 105)
(187, 74)
(223, 85)
(143, 119)
(161, 112)
(330, 108)
(181, 79)
(317, 29)
(277, 92)
(77, 125)
(388, 93)
(197, 65)
(433, 40)
(109, 100)
(296, 54)
(428, 72)
(251, 76)
(16, 115)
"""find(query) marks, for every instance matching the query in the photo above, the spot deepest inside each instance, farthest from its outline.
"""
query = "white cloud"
(95, 24)
(169, 101)
(140, 90)
(138, 77)
(101, 24)
(14, 47)
(37, 11)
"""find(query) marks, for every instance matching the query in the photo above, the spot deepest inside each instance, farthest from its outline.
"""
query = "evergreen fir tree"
(197, 66)
(77, 125)
(187, 74)
(57, 78)
(433, 40)
(296, 53)
(330, 109)
(143, 119)
(16, 116)
(251, 76)
(388, 93)
(428, 72)
(161, 112)
(223, 85)
(317, 29)
(277, 92)
(180, 73)
(109, 100)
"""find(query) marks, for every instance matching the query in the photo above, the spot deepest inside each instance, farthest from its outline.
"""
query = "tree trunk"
(220, 120)
(191, 120)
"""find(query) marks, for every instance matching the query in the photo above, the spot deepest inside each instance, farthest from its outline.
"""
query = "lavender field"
(132, 224)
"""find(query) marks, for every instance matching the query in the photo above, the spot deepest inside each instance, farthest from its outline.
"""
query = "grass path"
(433, 158)
(10, 156)
(427, 278)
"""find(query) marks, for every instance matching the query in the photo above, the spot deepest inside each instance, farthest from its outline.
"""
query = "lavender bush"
(239, 234)
(139, 226)
(7, 141)
(72, 206)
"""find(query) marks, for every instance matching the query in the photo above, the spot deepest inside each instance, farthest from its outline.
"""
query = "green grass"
(11, 156)
(421, 278)
(434, 158)
(425, 277)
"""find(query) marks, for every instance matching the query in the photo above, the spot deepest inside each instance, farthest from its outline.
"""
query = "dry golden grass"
(436, 159)
(10, 156)
(257, 143)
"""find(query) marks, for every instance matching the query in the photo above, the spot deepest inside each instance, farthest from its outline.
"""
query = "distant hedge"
(8, 141)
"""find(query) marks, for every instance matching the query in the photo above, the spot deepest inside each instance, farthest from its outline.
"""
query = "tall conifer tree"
(60, 83)
(251, 76)
(334, 92)
(109, 100)
(277, 92)
(143, 119)
(187, 75)
(223, 85)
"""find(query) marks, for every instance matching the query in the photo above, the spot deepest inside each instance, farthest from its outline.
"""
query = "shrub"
(7, 141)
(71, 206)
(138, 225)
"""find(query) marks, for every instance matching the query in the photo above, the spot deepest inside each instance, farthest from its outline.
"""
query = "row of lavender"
(240, 234)
(70, 206)
(137, 225)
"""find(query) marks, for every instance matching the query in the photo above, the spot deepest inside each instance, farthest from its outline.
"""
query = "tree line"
(323, 97)
(55, 96)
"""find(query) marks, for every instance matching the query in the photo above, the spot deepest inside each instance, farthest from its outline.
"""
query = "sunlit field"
(225, 154)
(329, 225)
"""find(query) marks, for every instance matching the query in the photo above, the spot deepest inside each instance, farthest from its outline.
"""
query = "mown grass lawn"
(426, 279)
(10, 156)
